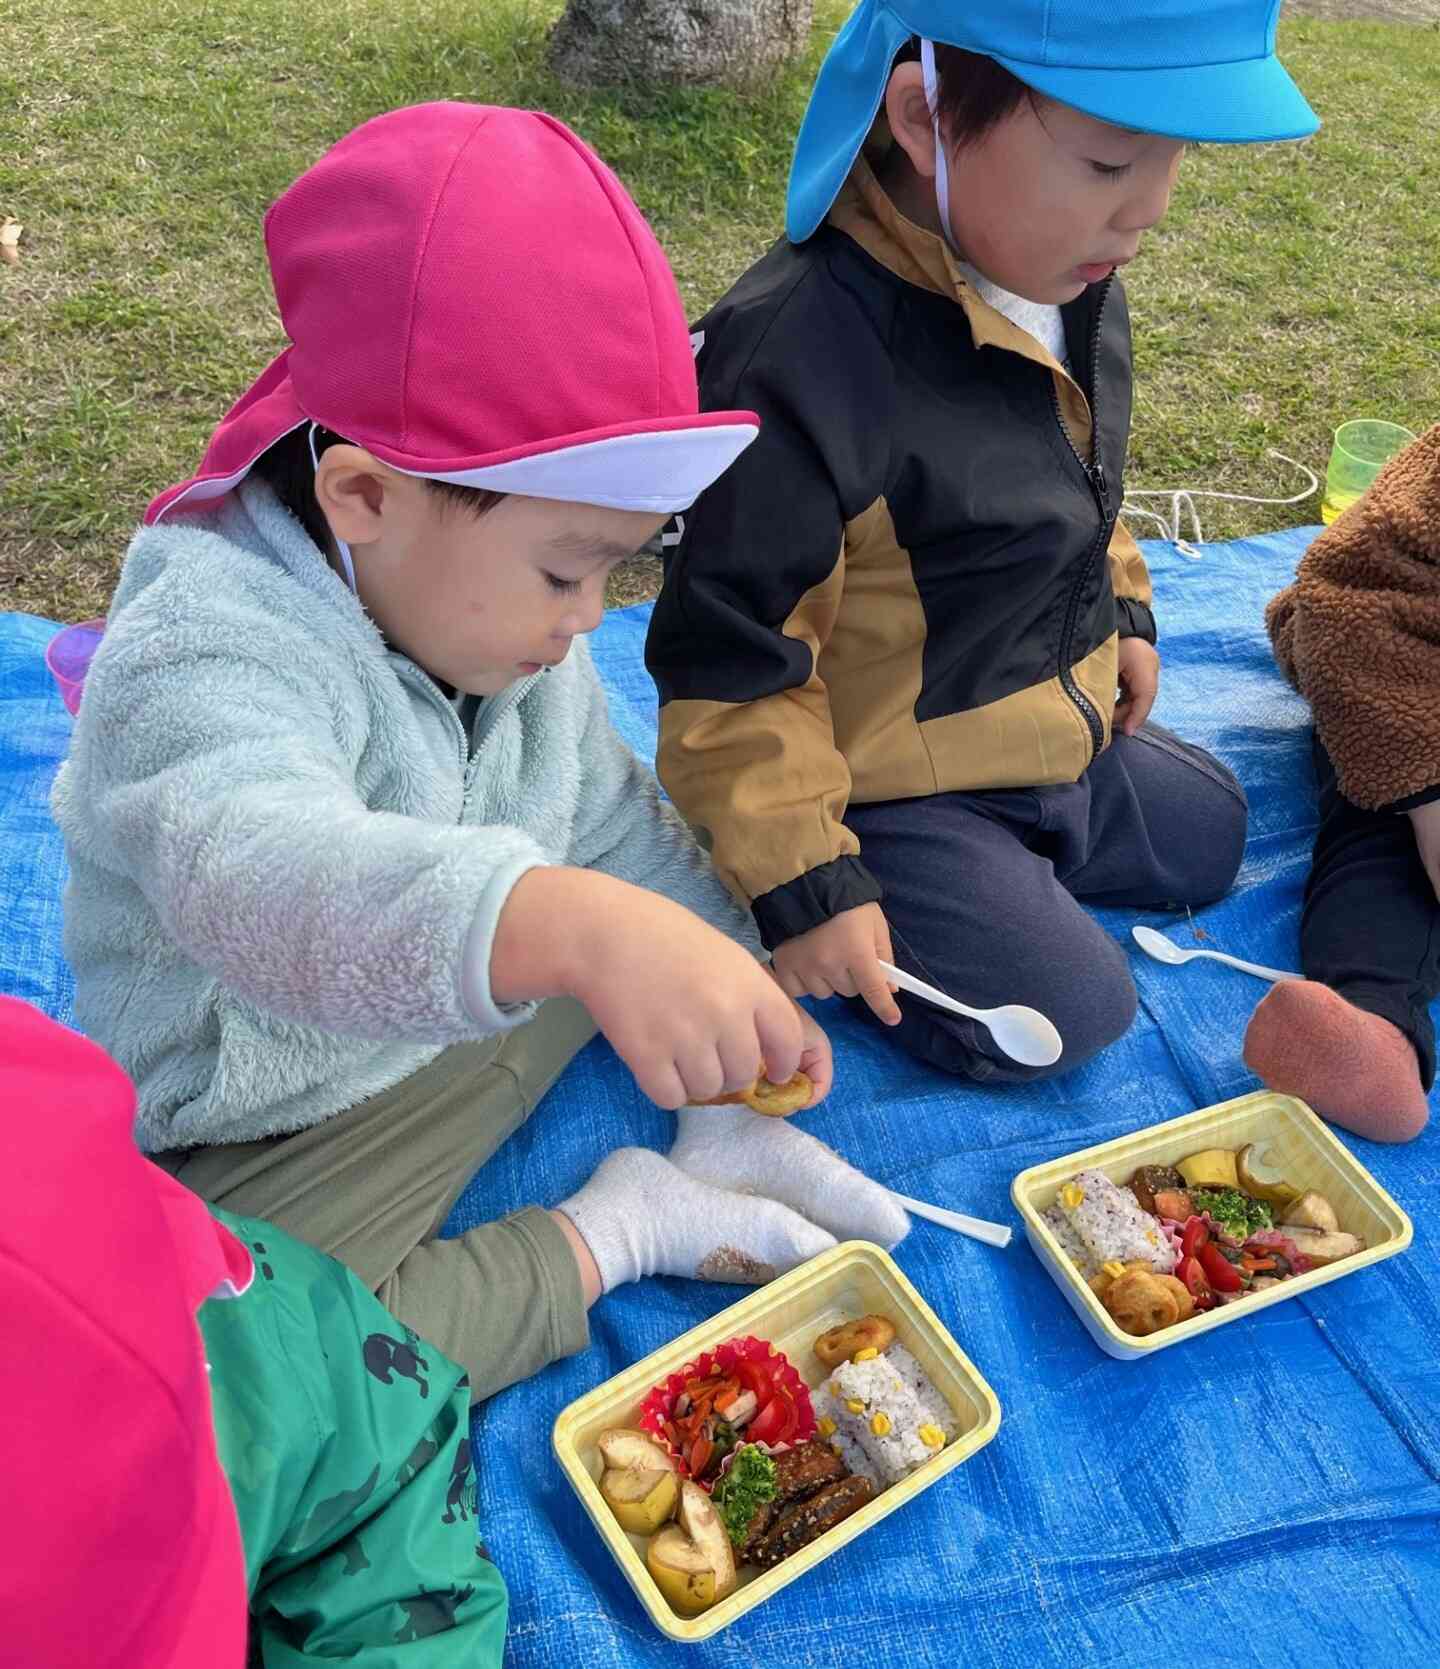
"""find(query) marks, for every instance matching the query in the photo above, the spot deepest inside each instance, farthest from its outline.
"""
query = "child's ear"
(908, 114)
(352, 488)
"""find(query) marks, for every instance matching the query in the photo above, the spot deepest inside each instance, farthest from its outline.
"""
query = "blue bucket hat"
(1202, 70)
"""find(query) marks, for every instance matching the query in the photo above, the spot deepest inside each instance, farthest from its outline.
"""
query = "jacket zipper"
(1095, 475)
(422, 681)
(490, 716)
(495, 710)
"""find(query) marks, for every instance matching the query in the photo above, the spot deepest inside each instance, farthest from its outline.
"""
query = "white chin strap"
(344, 549)
(942, 168)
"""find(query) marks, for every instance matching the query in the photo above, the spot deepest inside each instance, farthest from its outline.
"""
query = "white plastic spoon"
(993, 1234)
(1023, 1033)
(1166, 950)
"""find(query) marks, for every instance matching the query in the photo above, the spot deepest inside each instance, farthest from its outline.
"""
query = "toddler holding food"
(890, 639)
(358, 862)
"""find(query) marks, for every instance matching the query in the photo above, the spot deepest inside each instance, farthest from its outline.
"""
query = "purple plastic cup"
(68, 658)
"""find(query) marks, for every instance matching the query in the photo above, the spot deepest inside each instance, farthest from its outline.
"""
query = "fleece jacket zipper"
(467, 750)
(1099, 486)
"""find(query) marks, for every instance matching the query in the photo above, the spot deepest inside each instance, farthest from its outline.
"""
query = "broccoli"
(1236, 1213)
(747, 1485)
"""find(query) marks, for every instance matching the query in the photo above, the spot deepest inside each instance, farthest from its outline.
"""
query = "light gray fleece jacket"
(288, 858)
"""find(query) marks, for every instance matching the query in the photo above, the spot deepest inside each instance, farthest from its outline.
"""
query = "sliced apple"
(692, 1560)
(623, 1447)
(642, 1498)
(1311, 1211)
(1260, 1176)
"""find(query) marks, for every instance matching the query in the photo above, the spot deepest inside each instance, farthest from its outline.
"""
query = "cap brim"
(1246, 102)
(659, 464)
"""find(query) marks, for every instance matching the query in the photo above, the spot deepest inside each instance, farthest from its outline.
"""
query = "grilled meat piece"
(800, 1471)
(763, 1519)
(797, 1526)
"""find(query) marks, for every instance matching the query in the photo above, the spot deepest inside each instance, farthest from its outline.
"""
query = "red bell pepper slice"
(1219, 1271)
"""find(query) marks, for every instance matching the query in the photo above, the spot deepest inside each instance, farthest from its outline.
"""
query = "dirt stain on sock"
(729, 1263)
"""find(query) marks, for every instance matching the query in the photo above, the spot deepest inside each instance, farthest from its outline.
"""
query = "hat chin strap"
(345, 560)
(942, 170)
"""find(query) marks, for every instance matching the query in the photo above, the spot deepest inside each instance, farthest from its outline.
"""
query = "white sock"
(731, 1147)
(639, 1215)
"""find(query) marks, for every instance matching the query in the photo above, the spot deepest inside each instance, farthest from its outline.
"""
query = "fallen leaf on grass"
(10, 230)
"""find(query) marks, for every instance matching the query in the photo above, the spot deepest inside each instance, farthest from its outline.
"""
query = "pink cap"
(119, 1544)
(472, 295)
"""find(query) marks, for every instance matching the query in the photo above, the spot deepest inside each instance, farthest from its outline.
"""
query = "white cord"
(343, 547)
(1182, 503)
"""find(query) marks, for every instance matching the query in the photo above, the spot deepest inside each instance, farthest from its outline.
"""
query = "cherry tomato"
(1219, 1271)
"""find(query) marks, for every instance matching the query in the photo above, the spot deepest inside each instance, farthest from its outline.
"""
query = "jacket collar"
(866, 214)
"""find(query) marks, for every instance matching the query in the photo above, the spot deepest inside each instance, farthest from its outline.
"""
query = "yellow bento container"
(1303, 1147)
(843, 1284)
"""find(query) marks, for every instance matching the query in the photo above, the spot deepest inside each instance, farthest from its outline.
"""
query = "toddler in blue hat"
(890, 639)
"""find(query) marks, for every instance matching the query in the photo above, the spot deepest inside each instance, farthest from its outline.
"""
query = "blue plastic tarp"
(1266, 1495)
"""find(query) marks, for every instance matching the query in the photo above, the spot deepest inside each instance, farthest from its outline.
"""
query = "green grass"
(1291, 287)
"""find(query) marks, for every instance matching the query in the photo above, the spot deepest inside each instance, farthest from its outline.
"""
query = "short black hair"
(974, 93)
(289, 470)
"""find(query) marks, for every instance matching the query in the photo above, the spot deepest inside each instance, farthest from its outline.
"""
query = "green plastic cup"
(1361, 450)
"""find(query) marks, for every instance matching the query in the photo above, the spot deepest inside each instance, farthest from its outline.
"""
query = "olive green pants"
(373, 1185)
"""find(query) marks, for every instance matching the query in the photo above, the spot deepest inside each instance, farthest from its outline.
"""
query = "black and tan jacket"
(913, 581)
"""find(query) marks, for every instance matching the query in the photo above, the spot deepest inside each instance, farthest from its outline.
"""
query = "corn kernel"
(867, 1355)
(880, 1424)
(1114, 1269)
(833, 1387)
(825, 1427)
(855, 1405)
(1071, 1196)
(932, 1437)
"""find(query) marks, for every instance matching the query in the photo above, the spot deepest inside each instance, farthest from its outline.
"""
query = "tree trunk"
(737, 42)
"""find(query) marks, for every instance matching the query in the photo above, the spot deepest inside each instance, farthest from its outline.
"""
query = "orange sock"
(1353, 1068)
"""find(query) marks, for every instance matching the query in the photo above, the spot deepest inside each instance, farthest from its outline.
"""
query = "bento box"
(848, 1282)
(1300, 1144)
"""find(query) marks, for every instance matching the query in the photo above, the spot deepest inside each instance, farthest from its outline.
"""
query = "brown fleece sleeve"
(1358, 633)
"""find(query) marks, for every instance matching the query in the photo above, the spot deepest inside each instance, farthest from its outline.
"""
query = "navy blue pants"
(1371, 925)
(981, 892)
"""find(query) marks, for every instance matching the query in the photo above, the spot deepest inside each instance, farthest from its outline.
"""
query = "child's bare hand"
(1139, 676)
(816, 1060)
(841, 958)
(1425, 820)
(690, 1012)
